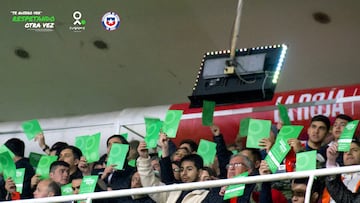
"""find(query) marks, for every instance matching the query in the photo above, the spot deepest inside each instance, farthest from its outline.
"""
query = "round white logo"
(110, 21)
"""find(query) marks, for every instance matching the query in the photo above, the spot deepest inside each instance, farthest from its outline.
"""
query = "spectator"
(72, 156)
(190, 170)
(190, 145)
(350, 180)
(47, 188)
(17, 146)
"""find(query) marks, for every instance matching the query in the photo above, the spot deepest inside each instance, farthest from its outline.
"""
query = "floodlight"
(249, 77)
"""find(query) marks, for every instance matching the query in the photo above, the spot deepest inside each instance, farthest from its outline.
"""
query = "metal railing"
(206, 184)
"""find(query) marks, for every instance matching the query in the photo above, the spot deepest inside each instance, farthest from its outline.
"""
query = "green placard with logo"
(117, 155)
(306, 160)
(207, 150)
(88, 184)
(153, 126)
(43, 167)
(244, 127)
(31, 128)
(3, 148)
(347, 135)
(171, 122)
(34, 159)
(19, 179)
(66, 189)
(283, 113)
(7, 165)
(258, 129)
(277, 154)
(289, 132)
(89, 146)
(208, 113)
(235, 190)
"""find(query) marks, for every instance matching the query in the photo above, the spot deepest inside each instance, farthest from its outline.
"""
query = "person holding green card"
(317, 132)
(17, 147)
(112, 178)
(350, 180)
(72, 155)
(190, 171)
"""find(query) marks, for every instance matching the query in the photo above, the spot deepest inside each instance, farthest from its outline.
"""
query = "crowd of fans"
(182, 164)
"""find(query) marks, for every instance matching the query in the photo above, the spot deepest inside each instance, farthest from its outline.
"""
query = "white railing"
(206, 184)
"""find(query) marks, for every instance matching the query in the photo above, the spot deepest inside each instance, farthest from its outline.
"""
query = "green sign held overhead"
(277, 154)
(89, 146)
(244, 127)
(31, 128)
(7, 166)
(283, 113)
(207, 150)
(153, 127)
(117, 155)
(289, 132)
(258, 129)
(3, 148)
(171, 122)
(208, 112)
(347, 135)
(43, 166)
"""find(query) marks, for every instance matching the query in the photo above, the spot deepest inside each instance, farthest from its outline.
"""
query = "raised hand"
(142, 150)
(164, 143)
(264, 168)
(266, 144)
(215, 130)
(295, 144)
(10, 185)
(331, 154)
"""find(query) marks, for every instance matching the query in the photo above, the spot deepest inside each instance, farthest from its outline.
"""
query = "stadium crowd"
(181, 164)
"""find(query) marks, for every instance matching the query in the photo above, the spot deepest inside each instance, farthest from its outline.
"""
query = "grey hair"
(249, 164)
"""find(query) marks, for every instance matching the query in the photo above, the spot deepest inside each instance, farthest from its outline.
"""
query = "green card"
(153, 126)
(34, 159)
(277, 154)
(171, 122)
(117, 155)
(258, 129)
(43, 167)
(3, 148)
(283, 113)
(132, 163)
(89, 146)
(19, 179)
(207, 150)
(159, 153)
(347, 135)
(208, 112)
(125, 135)
(66, 189)
(306, 161)
(234, 151)
(235, 190)
(244, 127)
(289, 131)
(7, 166)
(88, 184)
(31, 128)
